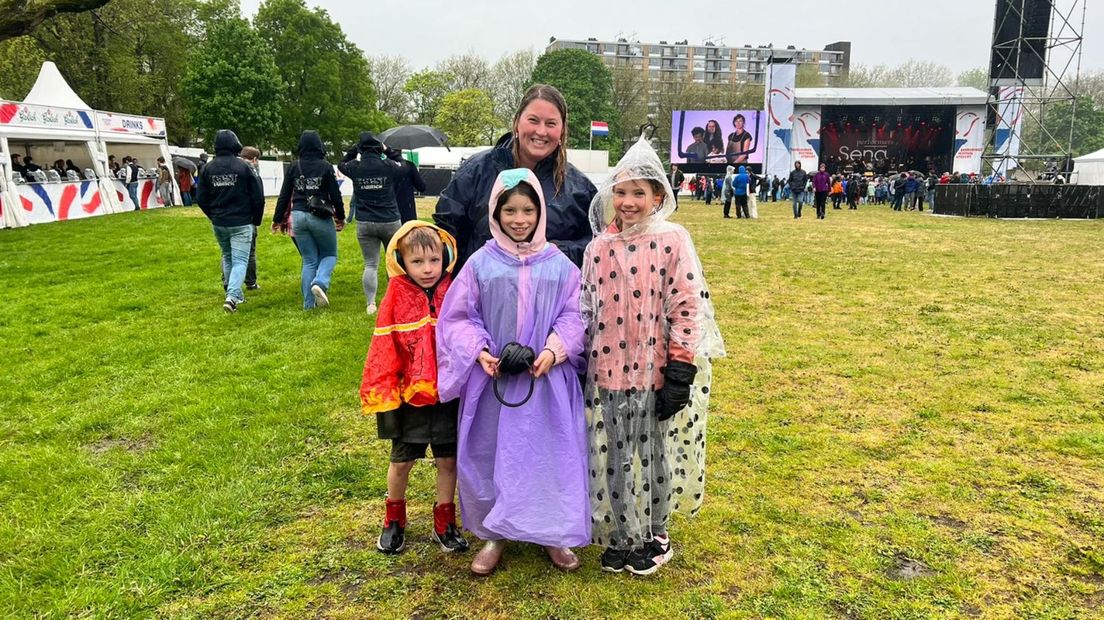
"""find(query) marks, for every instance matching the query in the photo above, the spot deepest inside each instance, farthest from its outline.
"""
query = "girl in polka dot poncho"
(651, 335)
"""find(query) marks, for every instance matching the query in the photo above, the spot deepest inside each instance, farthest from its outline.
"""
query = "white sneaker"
(320, 298)
(371, 309)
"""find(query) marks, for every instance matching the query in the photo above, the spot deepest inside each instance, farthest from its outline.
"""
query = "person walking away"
(230, 197)
(399, 384)
(933, 181)
(647, 381)
(131, 179)
(740, 192)
(310, 199)
(854, 186)
(911, 186)
(899, 191)
(252, 156)
(184, 182)
(796, 185)
(409, 181)
(726, 191)
(373, 206)
(708, 191)
(164, 183)
(822, 184)
(753, 187)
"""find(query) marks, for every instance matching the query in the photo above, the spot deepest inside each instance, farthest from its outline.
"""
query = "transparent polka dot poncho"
(646, 302)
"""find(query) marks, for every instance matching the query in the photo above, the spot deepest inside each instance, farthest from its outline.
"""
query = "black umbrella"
(413, 136)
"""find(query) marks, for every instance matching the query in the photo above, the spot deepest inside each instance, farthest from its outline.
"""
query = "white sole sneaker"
(320, 298)
(379, 546)
(371, 309)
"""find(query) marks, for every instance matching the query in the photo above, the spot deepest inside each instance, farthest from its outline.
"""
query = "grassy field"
(910, 424)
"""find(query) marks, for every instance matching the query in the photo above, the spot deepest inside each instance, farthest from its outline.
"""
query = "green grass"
(910, 424)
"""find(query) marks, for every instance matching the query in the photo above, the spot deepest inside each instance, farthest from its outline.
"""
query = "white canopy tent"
(54, 123)
(1090, 168)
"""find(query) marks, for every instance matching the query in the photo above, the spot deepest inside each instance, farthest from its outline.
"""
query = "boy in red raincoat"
(400, 380)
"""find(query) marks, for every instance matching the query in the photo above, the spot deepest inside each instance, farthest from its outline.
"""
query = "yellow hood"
(394, 265)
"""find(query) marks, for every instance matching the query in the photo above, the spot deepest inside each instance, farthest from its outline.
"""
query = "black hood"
(227, 143)
(310, 146)
(369, 143)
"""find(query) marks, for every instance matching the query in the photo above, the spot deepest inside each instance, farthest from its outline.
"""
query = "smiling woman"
(537, 142)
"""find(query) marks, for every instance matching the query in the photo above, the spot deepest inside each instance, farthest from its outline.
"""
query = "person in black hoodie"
(373, 205)
(408, 182)
(310, 205)
(230, 197)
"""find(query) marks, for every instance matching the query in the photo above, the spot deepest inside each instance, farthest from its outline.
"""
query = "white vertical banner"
(806, 136)
(779, 102)
(969, 139)
(1006, 136)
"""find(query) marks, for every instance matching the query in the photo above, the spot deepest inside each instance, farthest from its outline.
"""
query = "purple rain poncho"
(521, 472)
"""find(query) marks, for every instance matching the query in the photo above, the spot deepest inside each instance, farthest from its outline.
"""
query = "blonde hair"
(552, 95)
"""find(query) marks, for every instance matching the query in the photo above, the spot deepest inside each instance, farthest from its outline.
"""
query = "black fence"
(1021, 200)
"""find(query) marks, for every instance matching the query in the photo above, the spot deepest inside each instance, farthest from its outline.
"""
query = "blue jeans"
(132, 189)
(234, 241)
(317, 241)
(798, 201)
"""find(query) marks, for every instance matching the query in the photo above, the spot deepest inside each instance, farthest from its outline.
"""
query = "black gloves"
(675, 394)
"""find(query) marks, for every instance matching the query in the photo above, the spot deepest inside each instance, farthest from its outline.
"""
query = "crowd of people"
(906, 190)
(529, 280)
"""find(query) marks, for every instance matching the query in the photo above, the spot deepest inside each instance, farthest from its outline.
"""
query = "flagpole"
(591, 136)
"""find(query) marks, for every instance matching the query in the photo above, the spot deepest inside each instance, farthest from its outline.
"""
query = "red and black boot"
(393, 537)
(445, 532)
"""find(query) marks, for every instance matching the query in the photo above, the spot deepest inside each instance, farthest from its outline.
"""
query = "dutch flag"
(598, 128)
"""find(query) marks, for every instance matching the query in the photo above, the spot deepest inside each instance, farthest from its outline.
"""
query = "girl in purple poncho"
(522, 444)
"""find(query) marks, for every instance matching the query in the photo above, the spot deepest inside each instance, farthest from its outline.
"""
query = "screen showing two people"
(719, 137)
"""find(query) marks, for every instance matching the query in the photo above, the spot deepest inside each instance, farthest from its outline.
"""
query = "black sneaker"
(647, 560)
(230, 306)
(253, 287)
(614, 560)
(451, 540)
(392, 539)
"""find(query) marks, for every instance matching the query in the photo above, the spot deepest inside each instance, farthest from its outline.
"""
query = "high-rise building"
(708, 63)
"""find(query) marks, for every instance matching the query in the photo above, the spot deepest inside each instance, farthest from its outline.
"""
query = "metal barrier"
(1021, 201)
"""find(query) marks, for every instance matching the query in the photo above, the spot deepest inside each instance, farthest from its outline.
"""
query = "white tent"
(54, 123)
(1090, 168)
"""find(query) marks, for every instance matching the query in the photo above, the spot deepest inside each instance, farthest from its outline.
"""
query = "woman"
(714, 140)
(373, 206)
(310, 205)
(739, 142)
(538, 141)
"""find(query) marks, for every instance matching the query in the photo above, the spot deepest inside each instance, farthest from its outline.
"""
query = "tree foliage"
(19, 17)
(123, 57)
(426, 88)
(326, 79)
(911, 74)
(467, 117)
(587, 86)
(977, 78)
(808, 76)
(233, 84)
(466, 71)
(510, 76)
(389, 74)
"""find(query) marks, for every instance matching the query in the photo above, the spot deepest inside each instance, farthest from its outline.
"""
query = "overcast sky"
(955, 33)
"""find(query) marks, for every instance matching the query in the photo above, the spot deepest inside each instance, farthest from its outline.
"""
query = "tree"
(467, 117)
(629, 99)
(389, 74)
(911, 74)
(808, 76)
(587, 87)
(122, 57)
(511, 75)
(19, 17)
(233, 84)
(977, 78)
(426, 89)
(326, 81)
(466, 71)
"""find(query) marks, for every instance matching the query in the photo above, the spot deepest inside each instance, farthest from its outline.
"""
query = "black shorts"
(405, 452)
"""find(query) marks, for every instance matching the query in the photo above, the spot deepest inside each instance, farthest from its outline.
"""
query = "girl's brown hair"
(550, 94)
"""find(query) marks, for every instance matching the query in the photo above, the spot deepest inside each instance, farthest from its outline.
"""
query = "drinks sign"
(140, 125)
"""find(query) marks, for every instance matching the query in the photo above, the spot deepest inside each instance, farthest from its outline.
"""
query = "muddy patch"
(948, 522)
(134, 445)
(906, 569)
